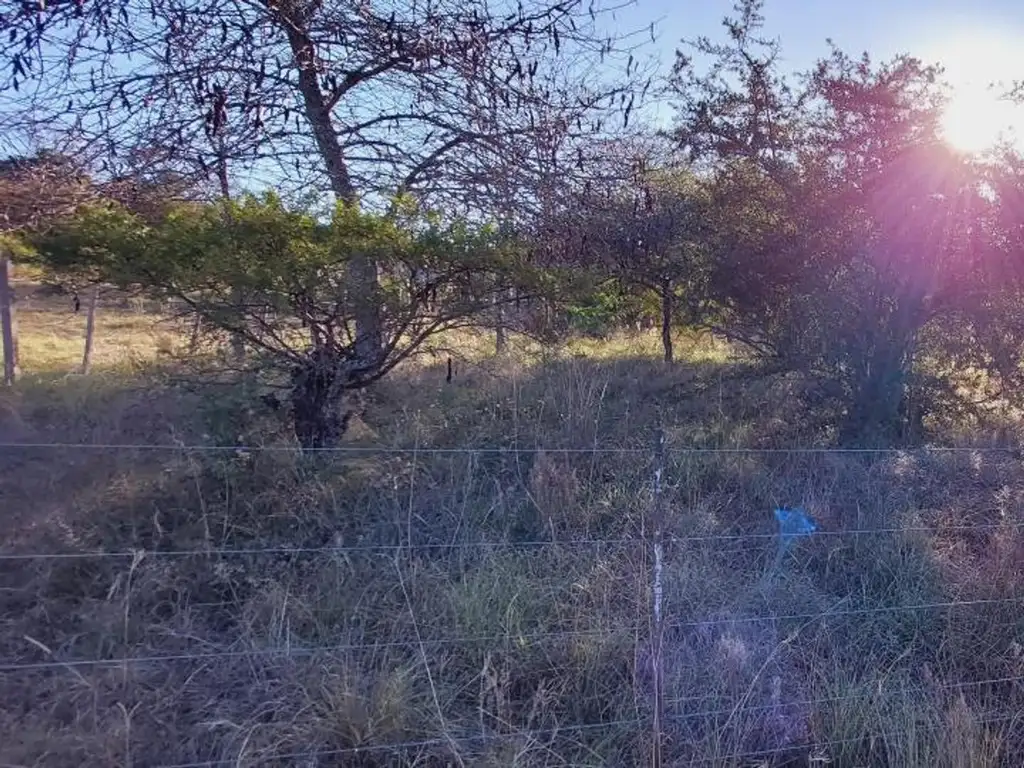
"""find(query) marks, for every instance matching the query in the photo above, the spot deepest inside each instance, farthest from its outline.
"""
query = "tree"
(845, 228)
(738, 107)
(900, 209)
(277, 278)
(361, 98)
(647, 231)
(986, 335)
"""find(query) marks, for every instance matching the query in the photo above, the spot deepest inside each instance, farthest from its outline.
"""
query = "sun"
(979, 66)
(977, 118)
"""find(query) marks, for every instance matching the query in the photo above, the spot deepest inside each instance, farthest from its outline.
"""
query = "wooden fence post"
(8, 320)
(90, 328)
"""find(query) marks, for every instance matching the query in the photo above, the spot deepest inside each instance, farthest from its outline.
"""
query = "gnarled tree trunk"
(362, 271)
(317, 385)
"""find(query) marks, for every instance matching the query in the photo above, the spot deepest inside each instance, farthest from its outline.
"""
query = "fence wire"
(551, 733)
(517, 637)
(487, 545)
(1016, 451)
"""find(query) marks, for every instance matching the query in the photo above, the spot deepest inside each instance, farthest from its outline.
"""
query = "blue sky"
(883, 28)
(979, 42)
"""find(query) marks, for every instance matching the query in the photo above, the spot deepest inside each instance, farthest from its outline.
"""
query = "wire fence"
(1012, 450)
(726, 758)
(494, 639)
(649, 630)
(488, 545)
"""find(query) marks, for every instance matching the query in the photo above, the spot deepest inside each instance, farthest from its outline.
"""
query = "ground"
(477, 590)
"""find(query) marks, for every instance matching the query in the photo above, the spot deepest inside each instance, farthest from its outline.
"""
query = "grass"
(485, 608)
(52, 334)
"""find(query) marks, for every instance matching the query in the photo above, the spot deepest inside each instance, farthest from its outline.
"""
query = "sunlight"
(979, 68)
(976, 119)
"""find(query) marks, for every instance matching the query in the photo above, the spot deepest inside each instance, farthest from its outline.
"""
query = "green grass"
(460, 636)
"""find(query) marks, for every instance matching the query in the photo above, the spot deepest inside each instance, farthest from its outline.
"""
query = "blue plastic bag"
(793, 523)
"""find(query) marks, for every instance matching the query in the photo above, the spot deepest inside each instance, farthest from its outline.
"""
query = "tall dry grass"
(492, 608)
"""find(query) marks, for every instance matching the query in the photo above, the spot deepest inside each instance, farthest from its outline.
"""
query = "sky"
(882, 27)
(976, 40)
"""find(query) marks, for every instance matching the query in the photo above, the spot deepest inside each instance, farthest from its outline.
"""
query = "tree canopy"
(465, 174)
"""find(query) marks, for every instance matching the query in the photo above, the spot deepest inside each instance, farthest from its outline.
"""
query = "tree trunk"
(878, 413)
(315, 394)
(666, 321)
(875, 415)
(237, 340)
(362, 271)
(500, 333)
(8, 320)
(90, 328)
(197, 330)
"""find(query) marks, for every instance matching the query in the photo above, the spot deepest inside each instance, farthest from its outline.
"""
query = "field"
(472, 582)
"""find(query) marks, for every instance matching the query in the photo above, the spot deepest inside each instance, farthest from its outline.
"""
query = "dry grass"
(461, 605)
(52, 335)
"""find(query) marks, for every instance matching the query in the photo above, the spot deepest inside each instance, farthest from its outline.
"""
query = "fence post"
(8, 321)
(657, 589)
(90, 329)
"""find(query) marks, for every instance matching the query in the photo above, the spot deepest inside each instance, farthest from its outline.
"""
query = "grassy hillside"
(478, 591)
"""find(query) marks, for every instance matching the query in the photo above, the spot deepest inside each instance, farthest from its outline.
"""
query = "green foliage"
(102, 242)
(17, 247)
(278, 279)
(843, 228)
(599, 313)
(234, 258)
